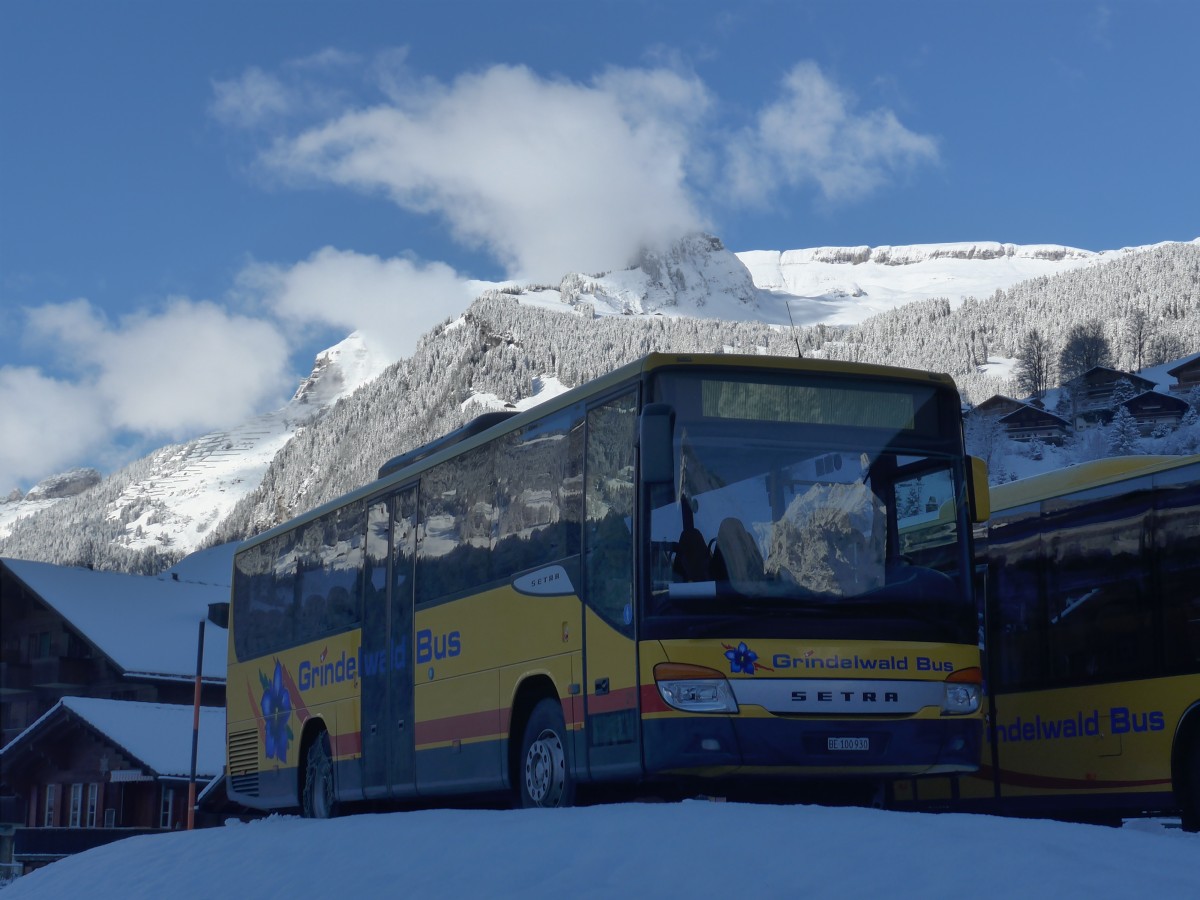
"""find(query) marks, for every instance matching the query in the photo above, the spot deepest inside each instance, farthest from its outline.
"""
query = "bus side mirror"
(980, 497)
(656, 433)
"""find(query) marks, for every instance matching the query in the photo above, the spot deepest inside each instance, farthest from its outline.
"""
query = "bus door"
(386, 660)
(612, 708)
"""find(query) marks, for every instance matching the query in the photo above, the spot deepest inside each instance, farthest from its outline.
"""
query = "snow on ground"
(696, 849)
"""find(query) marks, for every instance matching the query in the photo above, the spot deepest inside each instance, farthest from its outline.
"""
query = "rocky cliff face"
(683, 278)
(66, 484)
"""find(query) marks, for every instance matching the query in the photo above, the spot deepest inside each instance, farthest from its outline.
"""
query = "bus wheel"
(545, 776)
(316, 801)
(1190, 800)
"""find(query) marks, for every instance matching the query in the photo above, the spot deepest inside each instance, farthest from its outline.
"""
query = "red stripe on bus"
(1028, 780)
(624, 698)
(570, 706)
(347, 744)
(652, 701)
(459, 728)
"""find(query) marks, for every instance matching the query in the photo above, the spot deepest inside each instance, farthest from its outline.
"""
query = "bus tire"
(1189, 799)
(544, 776)
(317, 796)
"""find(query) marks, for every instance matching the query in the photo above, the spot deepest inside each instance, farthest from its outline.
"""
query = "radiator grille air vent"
(243, 762)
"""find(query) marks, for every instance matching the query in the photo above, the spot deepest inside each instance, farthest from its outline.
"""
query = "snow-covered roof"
(1095, 371)
(157, 735)
(145, 625)
(1185, 366)
(213, 565)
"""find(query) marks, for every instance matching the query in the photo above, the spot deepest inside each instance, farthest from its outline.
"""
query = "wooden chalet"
(1153, 408)
(1186, 375)
(91, 771)
(1092, 393)
(997, 405)
(1029, 422)
(71, 635)
(68, 631)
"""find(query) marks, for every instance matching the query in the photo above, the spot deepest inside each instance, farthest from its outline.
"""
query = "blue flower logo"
(277, 713)
(741, 658)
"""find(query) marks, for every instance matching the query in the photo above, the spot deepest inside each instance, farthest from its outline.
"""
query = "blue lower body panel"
(905, 747)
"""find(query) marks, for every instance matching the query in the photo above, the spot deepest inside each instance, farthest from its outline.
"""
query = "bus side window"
(458, 525)
(1177, 552)
(1101, 618)
(609, 504)
(252, 613)
(538, 475)
(1015, 563)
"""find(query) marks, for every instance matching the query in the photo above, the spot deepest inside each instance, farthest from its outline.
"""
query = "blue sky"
(194, 197)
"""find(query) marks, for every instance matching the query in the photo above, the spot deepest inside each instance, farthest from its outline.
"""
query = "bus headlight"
(694, 688)
(961, 693)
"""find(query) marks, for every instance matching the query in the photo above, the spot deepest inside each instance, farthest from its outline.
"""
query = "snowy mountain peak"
(338, 371)
(694, 276)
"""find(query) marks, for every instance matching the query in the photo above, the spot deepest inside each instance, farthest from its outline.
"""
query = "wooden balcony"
(60, 672)
(15, 678)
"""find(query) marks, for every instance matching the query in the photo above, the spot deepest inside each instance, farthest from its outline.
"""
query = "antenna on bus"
(788, 304)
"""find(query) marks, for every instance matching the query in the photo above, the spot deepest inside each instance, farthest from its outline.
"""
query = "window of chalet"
(167, 808)
(40, 646)
(48, 806)
(76, 805)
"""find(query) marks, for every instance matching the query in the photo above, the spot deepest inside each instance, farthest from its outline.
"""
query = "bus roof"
(436, 451)
(1081, 477)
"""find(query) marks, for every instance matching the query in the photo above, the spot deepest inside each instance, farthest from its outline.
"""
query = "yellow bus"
(689, 570)
(1092, 604)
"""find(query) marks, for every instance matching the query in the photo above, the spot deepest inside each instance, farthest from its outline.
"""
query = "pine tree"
(1123, 434)
(1123, 390)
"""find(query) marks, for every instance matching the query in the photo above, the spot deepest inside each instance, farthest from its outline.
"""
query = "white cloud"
(812, 135)
(250, 99)
(549, 176)
(546, 174)
(391, 301)
(194, 366)
(48, 425)
(189, 367)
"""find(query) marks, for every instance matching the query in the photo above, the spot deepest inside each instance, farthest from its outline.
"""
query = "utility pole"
(191, 815)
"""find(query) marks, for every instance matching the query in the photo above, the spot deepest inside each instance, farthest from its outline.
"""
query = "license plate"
(847, 743)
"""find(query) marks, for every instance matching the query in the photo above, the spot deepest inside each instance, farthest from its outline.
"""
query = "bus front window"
(772, 519)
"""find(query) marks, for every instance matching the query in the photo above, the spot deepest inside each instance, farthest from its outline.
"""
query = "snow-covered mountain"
(698, 276)
(853, 283)
(181, 490)
(960, 308)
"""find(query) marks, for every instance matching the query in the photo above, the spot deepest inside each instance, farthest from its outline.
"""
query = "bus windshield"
(840, 505)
